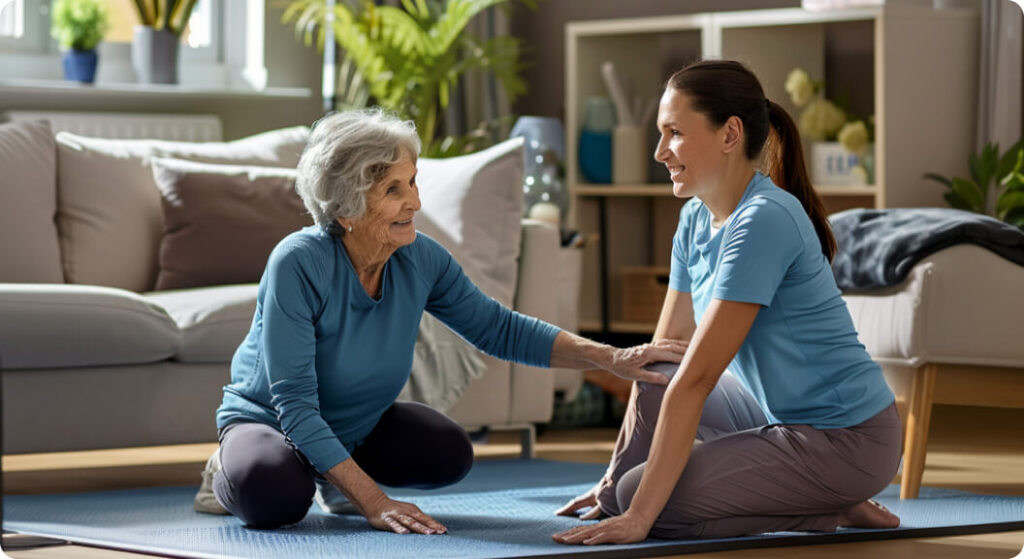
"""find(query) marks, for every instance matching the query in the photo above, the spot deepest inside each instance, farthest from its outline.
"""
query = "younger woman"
(804, 430)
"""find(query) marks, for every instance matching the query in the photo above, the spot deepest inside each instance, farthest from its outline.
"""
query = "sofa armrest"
(539, 291)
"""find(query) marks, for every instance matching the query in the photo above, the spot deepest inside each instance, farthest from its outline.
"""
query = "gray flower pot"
(154, 55)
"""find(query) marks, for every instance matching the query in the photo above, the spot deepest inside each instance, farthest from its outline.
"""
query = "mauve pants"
(266, 482)
(745, 476)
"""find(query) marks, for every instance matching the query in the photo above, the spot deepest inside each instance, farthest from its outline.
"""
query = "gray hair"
(347, 153)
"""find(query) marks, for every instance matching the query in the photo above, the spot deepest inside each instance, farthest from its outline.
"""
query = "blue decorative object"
(545, 197)
(595, 147)
(596, 156)
(80, 65)
(547, 131)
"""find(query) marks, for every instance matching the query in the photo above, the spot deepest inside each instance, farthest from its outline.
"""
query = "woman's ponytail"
(786, 167)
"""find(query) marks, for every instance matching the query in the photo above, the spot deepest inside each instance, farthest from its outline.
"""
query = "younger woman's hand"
(588, 499)
(625, 528)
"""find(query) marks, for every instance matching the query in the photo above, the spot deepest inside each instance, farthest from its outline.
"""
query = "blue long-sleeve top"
(323, 359)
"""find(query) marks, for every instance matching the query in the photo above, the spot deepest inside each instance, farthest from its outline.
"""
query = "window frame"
(35, 54)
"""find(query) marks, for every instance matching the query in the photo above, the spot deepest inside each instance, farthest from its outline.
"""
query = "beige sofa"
(94, 357)
(949, 334)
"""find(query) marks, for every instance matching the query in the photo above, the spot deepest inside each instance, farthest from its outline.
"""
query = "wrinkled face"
(690, 146)
(390, 206)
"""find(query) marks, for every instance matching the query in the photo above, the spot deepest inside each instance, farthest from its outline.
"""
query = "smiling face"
(690, 146)
(390, 205)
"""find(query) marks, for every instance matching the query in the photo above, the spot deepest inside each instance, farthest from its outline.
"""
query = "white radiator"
(190, 128)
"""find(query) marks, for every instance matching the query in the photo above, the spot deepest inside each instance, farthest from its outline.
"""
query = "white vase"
(629, 154)
(833, 165)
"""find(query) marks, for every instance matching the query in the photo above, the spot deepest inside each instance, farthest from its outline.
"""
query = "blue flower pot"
(80, 65)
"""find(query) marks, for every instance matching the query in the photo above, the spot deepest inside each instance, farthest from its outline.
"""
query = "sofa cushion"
(279, 148)
(213, 320)
(47, 326)
(28, 203)
(222, 221)
(109, 215)
(472, 205)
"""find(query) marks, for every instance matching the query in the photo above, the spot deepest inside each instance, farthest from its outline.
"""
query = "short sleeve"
(760, 245)
(679, 277)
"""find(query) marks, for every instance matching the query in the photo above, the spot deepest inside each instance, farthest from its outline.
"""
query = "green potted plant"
(409, 59)
(79, 25)
(155, 41)
(1007, 170)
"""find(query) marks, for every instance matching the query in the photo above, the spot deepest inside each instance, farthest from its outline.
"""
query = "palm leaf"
(1010, 202)
(970, 193)
(1009, 159)
(938, 178)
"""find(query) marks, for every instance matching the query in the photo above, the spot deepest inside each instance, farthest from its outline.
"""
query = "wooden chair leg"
(915, 445)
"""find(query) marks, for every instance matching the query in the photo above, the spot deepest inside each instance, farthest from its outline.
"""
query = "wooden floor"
(973, 449)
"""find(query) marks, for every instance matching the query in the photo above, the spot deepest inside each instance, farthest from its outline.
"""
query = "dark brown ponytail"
(720, 89)
(785, 165)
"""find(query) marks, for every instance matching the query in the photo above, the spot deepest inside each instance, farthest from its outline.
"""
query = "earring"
(349, 228)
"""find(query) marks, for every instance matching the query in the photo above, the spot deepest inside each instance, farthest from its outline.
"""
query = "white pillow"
(473, 204)
(108, 207)
(28, 202)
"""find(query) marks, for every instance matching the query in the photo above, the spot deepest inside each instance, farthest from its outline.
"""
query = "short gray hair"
(347, 153)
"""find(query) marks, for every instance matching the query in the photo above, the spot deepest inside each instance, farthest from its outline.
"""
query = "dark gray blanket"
(877, 248)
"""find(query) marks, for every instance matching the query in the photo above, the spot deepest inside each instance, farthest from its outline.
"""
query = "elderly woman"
(313, 385)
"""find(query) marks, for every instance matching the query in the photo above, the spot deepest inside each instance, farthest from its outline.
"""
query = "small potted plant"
(155, 41)
(79, 25)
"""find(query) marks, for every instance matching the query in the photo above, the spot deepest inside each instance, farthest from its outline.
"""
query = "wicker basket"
(643, 292)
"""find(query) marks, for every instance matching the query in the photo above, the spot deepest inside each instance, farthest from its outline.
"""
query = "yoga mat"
(502, 509)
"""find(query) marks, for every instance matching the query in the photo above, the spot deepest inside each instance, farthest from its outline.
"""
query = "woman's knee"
(626, 488)
(450, 460)
(267, 486)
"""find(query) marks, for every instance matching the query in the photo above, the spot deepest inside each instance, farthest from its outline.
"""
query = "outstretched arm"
(716, 341)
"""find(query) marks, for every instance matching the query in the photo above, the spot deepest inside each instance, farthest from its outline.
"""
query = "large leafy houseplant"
(1007, 170)
(410, 59)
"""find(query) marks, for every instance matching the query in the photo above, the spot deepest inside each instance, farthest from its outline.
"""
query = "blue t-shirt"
(323, 359)
(801, 359)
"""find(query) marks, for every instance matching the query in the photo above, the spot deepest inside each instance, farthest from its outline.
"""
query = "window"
(123, 19)
(12, 18)
(25, 27)
(28, 52)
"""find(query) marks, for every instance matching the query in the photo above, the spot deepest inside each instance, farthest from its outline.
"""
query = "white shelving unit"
(914, 68)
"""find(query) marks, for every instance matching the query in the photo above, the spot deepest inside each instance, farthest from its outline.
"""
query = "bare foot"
(869, 514)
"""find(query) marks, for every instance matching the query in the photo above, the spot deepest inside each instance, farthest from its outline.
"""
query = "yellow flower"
(799, 87)
(821, 120)
(854, 136)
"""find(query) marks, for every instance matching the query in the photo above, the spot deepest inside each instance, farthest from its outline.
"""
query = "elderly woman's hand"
(402, 518)
(629, 362)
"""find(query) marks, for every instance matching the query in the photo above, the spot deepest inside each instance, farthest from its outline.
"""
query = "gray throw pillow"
(222, 221)
(29, 252)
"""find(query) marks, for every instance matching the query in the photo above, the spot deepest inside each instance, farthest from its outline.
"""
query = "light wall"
(543, 34)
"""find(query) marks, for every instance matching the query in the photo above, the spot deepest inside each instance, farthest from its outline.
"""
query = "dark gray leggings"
(266, 482)
(745, 476)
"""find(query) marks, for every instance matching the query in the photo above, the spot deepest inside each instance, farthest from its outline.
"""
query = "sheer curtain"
(999, 76)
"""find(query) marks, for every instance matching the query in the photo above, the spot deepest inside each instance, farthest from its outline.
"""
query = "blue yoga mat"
(502, 509)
